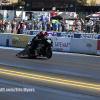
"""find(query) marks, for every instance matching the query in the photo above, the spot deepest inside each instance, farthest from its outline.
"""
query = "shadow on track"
(38, 58)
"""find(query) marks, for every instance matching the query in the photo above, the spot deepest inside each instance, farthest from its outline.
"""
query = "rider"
(40, 36)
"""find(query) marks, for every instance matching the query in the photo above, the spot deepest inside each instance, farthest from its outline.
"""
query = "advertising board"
(64, 34)
(19, 40)
(29, 32)
(61, 44)
(77, 35)
(87, 36)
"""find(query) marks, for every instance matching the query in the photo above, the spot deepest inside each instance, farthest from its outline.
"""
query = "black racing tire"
(48, 52)
(34, 57)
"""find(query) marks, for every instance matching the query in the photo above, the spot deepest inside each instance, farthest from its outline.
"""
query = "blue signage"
(77, 35)
(29, 32)
(64, 34)
(87, 36)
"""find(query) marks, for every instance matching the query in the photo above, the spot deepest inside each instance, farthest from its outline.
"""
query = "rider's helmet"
(42, 34)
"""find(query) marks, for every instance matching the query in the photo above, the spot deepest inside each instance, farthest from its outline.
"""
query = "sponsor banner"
(77, 35)
(64, 34)
(61, 44)
(19, 40)
(26, 32)
(98, 48)
(87, 36)
(34, 32)
(29, 32)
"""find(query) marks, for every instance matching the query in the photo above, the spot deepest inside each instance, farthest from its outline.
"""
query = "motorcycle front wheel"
(48, 52)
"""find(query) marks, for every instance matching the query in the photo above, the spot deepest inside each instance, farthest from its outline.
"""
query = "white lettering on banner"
(35, 33)
(26, 32)
(68, 35)
(55, 34)
(89, 36)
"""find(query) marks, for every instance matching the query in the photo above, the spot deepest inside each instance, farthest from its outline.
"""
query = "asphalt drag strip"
(57, 81)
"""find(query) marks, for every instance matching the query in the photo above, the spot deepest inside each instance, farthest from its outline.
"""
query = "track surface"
(78, 73)
(40, 93)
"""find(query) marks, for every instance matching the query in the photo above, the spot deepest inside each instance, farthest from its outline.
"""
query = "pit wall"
(63, 44)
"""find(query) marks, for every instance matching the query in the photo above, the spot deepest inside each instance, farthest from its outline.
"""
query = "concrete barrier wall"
(87, 46)
(5, 39)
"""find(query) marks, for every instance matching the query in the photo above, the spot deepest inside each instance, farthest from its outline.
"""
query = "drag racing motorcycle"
(43, 49)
